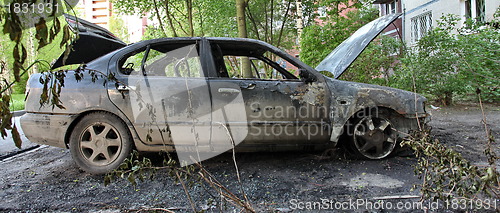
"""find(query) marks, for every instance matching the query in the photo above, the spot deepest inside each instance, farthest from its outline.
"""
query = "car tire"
(372, 136)
(100, 142)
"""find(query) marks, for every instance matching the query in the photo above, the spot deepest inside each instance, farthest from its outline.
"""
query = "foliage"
(445, 64)
(480, 62)
(152, 32)
(376, 63)
(118, 28)
(217, 18)
(184, 17)
(270, 21)
(17, 102)
(45, 54)
(137, 167)
(20, 86)
(16, 24)
(447, 175)
(321, 39)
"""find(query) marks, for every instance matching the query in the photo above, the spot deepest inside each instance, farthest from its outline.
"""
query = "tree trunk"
(300, 25)
(189, 8)
(242, 33)
(170, 21)
(159, 18)
(33, 54)
(448, 97)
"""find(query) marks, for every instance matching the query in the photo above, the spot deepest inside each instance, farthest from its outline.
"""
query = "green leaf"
(66, 36)
(17, 59)
(107, 179)
(24, 54)
(41, 33)
(131, 179)
(16, 137)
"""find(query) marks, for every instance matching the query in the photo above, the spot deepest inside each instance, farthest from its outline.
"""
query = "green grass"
(17, 102)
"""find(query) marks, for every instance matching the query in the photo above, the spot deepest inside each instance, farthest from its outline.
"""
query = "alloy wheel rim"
(374, 137)
(100, 144)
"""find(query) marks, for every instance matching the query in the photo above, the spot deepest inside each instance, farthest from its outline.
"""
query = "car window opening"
(262, 67)
(160, 60)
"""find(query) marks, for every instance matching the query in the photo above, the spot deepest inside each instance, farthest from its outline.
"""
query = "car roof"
(228, 45)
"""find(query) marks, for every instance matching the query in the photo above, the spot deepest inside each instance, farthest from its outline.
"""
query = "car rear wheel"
(373, 137)
(100, 142)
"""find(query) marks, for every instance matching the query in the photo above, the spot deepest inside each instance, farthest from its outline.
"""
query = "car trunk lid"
(93, 42)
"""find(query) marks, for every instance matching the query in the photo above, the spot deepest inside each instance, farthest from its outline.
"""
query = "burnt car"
(201, 96)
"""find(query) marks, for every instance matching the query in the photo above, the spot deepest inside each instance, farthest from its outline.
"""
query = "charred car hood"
(343, 56)
(93, 42)
(368, 95)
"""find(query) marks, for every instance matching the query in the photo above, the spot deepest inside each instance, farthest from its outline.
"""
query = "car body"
(192, 96)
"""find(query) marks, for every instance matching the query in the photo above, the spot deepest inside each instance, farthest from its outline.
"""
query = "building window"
(420, 25)
(475, 9)
(391, 8)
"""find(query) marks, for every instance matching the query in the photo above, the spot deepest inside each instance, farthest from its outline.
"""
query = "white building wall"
(438, 8)
(100, 11)
(97, 12)
(491, 7)
(135, 27)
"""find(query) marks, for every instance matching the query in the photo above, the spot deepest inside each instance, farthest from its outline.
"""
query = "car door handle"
(228, 90)
(248, 86)
(125, 88)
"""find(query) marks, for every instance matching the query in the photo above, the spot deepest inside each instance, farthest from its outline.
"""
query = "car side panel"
(278, 113)
(348, 98)
(46, 128)
(47, 124)
(75, 96)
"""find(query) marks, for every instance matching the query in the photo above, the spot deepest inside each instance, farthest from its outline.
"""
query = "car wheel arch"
(81, 115)
(366, 110)
(392, 115)
(372, 110)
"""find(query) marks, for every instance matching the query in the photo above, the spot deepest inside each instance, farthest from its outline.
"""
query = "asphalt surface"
(47, 180)
(7, 146)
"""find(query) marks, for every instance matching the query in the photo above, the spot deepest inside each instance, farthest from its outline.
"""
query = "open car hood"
(93, 42)
(343, 56)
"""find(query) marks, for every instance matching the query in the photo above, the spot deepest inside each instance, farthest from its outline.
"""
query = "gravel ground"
(46, 179)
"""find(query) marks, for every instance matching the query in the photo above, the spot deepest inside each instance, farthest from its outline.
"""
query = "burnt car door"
(162, 89)
(277, 110)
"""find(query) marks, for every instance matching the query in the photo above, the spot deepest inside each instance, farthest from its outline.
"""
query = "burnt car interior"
(180, 59)
(264, 64)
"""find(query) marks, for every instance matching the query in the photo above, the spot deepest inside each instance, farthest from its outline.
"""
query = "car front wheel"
(100, 142)
(373, 137)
